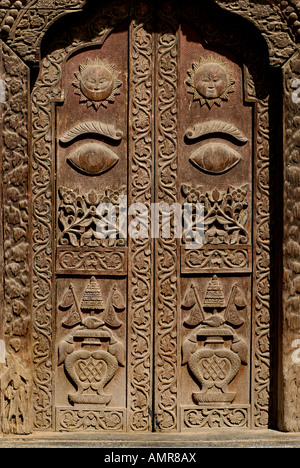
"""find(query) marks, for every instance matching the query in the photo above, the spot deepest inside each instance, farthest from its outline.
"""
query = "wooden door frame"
(21, 51)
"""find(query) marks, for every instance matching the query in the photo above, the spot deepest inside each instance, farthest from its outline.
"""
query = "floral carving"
(86, 262)
(262, 274)
(225, 213)
(212, 417)
(86, 420)
(80, 220)
(167, 249)
(141, 180)
(218, 259)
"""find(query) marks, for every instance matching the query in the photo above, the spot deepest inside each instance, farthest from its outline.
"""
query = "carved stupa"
(92, 300)
(214, 296)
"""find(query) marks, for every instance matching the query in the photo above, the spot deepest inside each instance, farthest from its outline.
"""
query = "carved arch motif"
(24, 26)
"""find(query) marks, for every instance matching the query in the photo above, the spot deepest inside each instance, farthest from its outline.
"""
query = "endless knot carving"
(91, 370)
(215, 368)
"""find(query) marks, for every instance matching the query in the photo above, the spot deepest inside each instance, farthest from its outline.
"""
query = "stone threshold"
(218, 438)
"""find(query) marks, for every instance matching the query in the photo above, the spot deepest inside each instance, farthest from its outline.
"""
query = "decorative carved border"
(43, 96)
(85, 261)
(217, 259)
(104, 420)
(275, 22)
(24, 26)
(290, 392)
(167, 251)
(141, 182)
(261, 273)
(200, 418)
(16, 381)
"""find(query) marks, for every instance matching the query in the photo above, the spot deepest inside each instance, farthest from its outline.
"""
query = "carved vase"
(91, 370)
(214, 366)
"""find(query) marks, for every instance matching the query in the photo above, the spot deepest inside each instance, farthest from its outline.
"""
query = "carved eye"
(93, 159)
(215, 158)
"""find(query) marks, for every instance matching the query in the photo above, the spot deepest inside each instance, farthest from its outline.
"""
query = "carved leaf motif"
(118, 300)
(98, 128)
(65, 348)
(189, 299)
(68, 299)
(225, 213)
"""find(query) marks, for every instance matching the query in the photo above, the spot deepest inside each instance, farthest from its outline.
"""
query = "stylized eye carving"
(93, 158)
(215, 158)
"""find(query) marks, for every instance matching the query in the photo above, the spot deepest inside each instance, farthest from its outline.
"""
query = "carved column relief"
(167, 249)
(16, 356)
(140, 345)
(261, 302)
(42, 234)
(289, 391)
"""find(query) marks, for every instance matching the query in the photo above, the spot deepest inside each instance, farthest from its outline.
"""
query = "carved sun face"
(210, 81)
(97, 83)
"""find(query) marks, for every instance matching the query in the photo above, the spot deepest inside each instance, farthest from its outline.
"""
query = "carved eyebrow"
(107, 130)
(215, 126)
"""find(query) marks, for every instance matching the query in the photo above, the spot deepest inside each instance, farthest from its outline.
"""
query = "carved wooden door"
(130, 109)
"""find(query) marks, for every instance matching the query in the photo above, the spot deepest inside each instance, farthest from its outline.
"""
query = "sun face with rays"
(210, 81)
(97, 83)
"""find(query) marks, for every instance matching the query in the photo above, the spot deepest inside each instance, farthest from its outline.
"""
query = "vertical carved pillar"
(261, 310)
(15, 365)
(167, 249)
(140, 342)
(289, 396)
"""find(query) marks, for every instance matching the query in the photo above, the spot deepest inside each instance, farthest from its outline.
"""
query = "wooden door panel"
(216, 158)
(149, 334)
(91, 274)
